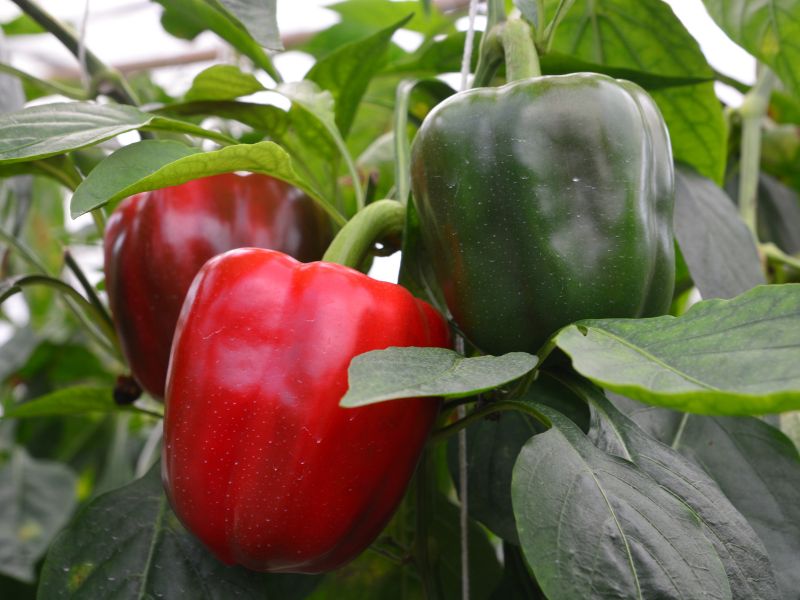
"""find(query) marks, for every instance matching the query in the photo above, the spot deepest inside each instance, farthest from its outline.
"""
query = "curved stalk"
(352, 243)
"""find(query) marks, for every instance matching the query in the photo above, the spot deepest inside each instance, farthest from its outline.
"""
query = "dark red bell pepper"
(259, 460)
(155, 243)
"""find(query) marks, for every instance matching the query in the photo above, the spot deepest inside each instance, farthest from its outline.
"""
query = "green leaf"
(619, 33)
(729, 357)
(187, 18)
(75, 400)
(493, 446)
(222, 82)
(123, 168)
(592, 525)
(395, 373)
(22, 25)
(697, 128)
(755, 466)
(309, 142)
(50, 129)
(265, 157)
(768, 29)
(380, 13)
(45, 87)
(260, 18)
(129, 544)
(37, 498)
(716, 244)
(555, 63)
(347, 71)
(741, 550)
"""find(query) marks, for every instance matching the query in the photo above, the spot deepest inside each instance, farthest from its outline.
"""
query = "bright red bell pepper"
(259, 460)
(155, 243)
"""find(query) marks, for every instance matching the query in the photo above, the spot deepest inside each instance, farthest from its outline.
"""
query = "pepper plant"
(585, 384)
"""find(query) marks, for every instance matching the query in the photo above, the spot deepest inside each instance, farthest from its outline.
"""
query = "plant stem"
(510, 40)
(369, 225)
(522, 61)
(101, 75)
(94, 299)
(481, 413)
(753, 109)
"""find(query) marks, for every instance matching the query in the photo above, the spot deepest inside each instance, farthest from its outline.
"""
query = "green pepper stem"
(513, 41)
(522, 61)
(369, 225)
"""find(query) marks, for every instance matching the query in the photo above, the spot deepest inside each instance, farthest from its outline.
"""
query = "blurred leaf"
(716, 244)
(222, 82)
(347, 71)
(555, 63)
(592, 525)
(260, 18)
(22, 25)
(42, 131)
(769, 30)
(75, 400)
(437, 55)
(187, 18)
(755, 466)
(729, 357)
(619, 33)
(484, 569)
(37, 498)
(396, 373)
(128, 543)
(15, 351)
(43, 88)
(778, 214)
(380, 13)
(784, 108)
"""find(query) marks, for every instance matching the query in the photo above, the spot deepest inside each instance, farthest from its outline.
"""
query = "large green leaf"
(593, 525)
(754, 464)
(37, 498)
(768, 29)
(396, 373)
(741, 550)
(50, 129)
(347, 71)
(620, 33)
(730, 357)
(716, 244)
(150, 165)
(129, 544)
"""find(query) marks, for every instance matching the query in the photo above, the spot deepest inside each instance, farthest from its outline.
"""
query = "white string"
(466, 59)
(82, 46)
(466, 64)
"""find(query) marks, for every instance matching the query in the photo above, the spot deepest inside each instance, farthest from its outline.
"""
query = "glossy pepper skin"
(259, 460)
(546, 201)
(155, 243)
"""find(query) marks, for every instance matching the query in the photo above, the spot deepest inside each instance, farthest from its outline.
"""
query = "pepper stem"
(522, 61)
(369, 225)
(512, 40)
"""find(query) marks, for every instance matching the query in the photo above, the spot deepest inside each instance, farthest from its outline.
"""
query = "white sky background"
(126, 31)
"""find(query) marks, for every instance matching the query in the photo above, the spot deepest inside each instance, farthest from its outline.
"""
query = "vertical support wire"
(466, 64)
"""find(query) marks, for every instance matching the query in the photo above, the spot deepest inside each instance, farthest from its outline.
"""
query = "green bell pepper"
(546, 201)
